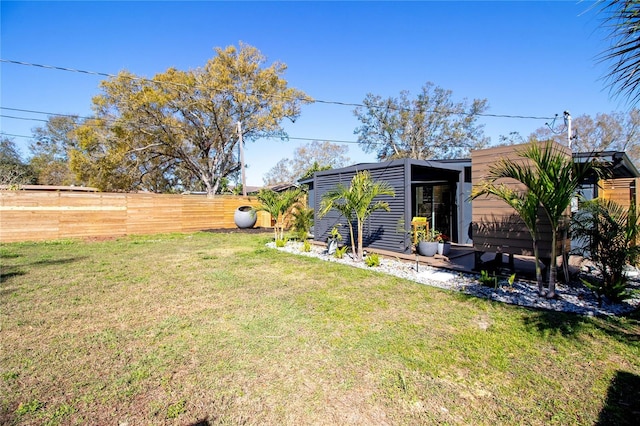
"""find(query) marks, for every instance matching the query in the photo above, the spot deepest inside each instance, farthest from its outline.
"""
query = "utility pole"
(567, 121)
(241, 143)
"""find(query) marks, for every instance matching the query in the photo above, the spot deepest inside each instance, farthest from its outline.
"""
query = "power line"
(23, 118)
(16, 136)
(30, 111)
(320, 101)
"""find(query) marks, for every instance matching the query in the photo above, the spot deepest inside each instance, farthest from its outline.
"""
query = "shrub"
(488, 280)
(302, 221)
(372, 260)
(610, 236)
(340, 251)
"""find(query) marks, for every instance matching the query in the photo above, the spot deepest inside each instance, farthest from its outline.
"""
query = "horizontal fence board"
(48, 215)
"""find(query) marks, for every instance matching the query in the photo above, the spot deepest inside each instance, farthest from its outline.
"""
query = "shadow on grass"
(9, 272)
(625, 329)
(555, 323)
(622, 406)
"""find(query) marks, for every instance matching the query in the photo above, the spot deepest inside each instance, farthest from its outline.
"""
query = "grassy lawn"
(218, 329)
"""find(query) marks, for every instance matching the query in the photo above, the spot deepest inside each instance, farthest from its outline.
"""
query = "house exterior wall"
(497, 227)
(623, 191)
(389, 230)
(381, 228)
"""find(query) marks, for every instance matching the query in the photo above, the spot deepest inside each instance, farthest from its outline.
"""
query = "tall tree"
(430, 126)
(357, 201)
(619, 131)
(13, 170)
(184, 122)
(50, 151)
(314, 156)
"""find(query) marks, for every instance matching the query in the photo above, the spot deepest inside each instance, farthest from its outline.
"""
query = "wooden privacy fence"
(50, 215)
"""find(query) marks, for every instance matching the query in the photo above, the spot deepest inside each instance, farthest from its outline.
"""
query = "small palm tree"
(302, 220)
(553, 178)
(357, 202)
(525, 203)
(278, 205)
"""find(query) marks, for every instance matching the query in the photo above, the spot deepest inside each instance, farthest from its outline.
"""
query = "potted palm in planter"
(444, 245)
(426, 245)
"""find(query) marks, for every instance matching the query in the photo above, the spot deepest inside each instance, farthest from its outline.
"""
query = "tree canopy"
(178, 129)
(50, 150)
(13, 171)
(308, 158)
(430, 126)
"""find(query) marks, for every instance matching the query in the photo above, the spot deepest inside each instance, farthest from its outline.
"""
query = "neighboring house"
(434, 189)
(439, 190)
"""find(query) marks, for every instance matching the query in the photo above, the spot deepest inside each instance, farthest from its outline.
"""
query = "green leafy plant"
(306, 246)
(174, 410)
(372, 260)
(488, 280)
(302, 221)
(281, 242)
(340, 251)
(609, 233)
(29, 407)
(334, 234)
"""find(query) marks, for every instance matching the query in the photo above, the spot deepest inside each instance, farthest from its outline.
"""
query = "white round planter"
(427, 248)
(244, 217)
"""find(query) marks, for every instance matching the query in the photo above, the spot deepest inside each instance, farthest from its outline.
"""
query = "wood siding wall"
(621, 191)
(380, 229)
(49, 215)
(496, 226)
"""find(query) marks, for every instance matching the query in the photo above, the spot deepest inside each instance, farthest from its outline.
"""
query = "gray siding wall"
(381, 228)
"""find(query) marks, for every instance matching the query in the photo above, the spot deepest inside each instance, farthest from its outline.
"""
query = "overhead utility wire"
(23, 118)
(320, 101)
(30, 111)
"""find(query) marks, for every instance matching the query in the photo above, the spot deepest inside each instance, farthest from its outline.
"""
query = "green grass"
(176, 329)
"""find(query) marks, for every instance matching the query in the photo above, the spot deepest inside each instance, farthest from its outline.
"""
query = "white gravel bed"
(573, 298)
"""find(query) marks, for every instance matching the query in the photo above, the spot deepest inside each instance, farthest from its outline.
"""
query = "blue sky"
(533, 59)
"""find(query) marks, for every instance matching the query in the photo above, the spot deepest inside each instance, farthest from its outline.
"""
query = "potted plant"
(426, 245)
(332, 240)
(444, 245)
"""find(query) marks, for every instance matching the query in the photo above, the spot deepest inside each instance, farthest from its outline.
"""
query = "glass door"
(435, 201)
